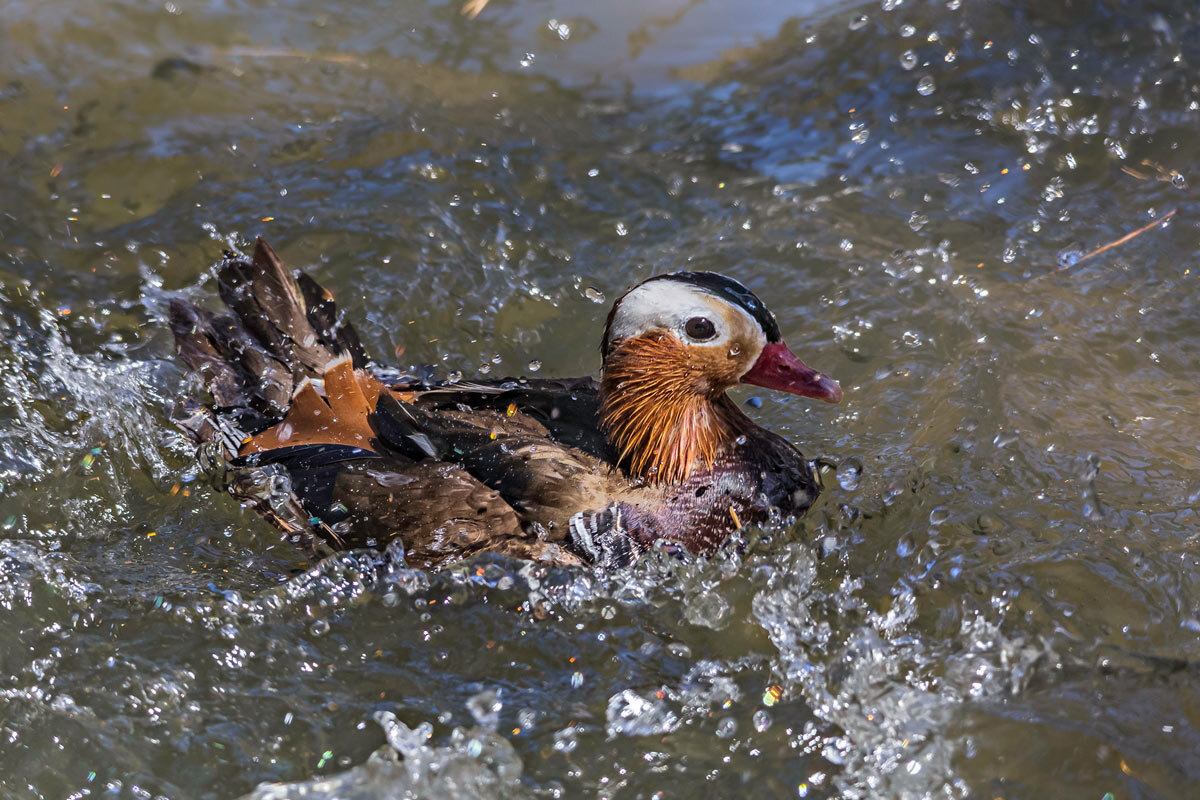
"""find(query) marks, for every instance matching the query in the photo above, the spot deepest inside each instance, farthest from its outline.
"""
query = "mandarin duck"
(337, 451)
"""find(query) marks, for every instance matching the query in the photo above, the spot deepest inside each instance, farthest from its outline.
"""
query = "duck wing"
(325, 497)
(293, 430)
(515, 449)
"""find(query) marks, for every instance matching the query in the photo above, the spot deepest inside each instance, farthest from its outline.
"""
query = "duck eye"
(700, 328)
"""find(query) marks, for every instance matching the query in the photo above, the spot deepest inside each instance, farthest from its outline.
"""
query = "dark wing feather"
(297, 327)
(359, 498)
(281, 331)
(490, 435)
(567, 409)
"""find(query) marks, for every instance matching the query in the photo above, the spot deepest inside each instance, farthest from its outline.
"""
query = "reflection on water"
(996, 596)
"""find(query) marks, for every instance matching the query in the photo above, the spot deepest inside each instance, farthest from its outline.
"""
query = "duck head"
(673, 345)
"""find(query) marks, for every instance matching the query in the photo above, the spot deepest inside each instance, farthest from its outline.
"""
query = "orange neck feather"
(661, 412)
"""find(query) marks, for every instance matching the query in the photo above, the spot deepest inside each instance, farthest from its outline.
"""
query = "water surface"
(997, 595)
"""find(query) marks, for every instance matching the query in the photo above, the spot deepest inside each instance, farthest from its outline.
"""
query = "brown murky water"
(999, 593)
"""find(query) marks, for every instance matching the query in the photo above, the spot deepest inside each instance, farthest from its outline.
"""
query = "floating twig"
(471, 8)
(1120, 241)
(240, 51)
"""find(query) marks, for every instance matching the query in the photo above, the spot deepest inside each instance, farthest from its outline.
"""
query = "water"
(996, 596)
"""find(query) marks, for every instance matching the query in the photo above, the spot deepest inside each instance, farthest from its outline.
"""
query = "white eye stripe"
(670, 305)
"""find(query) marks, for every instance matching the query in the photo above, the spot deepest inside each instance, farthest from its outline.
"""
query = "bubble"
(938, 515)
(593, 294)
(726, 727)
(908, 59)
(859, 22)
(762, 720)
(926, 86)
(319, 627)
(534, 365)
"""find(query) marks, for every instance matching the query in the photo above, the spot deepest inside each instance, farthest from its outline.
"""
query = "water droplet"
(1009, 255)
(912, 338)
(535, 365)
(846, 245)
(988, 523)
(726, 727)
(527, 61)
(849, 474)
(907, 31)
(608, 612)
(485, 708)
(754, 402)
(908, 59)
(560, 29)
(593, 294)
(917, 221)
(566, 740)
(906, 546)
(859, 22)
(762, 720)
(735, 350)
(740, 440)
(679, 650)
(926, 86)
(485, 368)
(1005, 438)
(454, 377)
(622, 230)
(577, 679)
(319, 627)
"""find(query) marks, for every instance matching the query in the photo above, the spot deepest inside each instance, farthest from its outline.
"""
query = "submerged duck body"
(337, 451)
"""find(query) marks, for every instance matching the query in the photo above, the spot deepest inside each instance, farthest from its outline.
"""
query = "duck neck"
(663, 420)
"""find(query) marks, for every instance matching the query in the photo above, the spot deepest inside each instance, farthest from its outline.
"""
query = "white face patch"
(670, 304)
